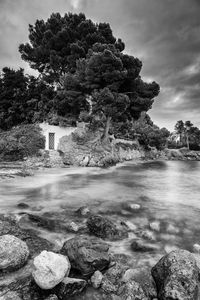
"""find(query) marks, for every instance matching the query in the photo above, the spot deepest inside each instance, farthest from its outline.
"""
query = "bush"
(21, 141)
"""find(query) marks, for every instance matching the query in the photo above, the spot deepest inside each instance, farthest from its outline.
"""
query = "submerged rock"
(50, 269)
(22, 205)
(70, 287)
(104, 228)
(14, 253)
(142, 246)
(155, 226)
(176, 276)
(196, 248)
(83, 211)
(148, 235)
(134, 207)
(86, 255)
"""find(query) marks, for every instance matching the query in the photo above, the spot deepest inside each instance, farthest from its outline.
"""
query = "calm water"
(168, 192)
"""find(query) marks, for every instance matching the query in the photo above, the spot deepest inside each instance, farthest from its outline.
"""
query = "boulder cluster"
(85, 268)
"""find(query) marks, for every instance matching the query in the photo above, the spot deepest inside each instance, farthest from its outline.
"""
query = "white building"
(53, 134)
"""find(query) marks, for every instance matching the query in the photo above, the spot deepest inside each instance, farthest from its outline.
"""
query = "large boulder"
(176, 276)
(86, 255)
(104, 228)
(50, 269)
(14, 253)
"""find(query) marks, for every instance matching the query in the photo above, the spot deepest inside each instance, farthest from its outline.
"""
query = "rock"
(129, 225)
(172, 229)
(155, 226)
(176, 276)
(96, 279)
(14, 253)
(196, 248)
(112, 278)
(52, 297)
(104, 228)
(50, 269)
(142, 246)
(147, 235)
(143, 277)
(22, 205)
(86, 255)
(73, 227)
(131, 206)
(35, 243)
(10, 296)
(83, 211)
(131, 290)
(70, 287)
(108, 287)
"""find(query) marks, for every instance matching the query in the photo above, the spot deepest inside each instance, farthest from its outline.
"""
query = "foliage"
(56, 44)
(23, 98)
(189, 136)
(21, 141)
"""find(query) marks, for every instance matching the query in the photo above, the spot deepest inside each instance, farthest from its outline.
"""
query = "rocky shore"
(85, 266)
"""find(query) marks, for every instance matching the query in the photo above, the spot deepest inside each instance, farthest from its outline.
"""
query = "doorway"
(51, 140)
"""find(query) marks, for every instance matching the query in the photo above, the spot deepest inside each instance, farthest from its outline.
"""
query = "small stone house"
(53, 134)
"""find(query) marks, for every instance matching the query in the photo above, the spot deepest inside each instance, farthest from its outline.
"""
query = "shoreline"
(25, 169)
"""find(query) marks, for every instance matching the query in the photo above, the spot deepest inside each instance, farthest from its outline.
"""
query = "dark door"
(51, 141)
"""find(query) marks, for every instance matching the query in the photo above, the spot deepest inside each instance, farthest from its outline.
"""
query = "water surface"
(168, 192)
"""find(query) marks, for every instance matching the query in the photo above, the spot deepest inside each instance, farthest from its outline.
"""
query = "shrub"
(21, 141)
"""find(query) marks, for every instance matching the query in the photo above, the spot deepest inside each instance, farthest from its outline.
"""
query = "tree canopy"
(56, 44)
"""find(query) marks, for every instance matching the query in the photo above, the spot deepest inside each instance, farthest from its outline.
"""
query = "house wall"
(57, 130)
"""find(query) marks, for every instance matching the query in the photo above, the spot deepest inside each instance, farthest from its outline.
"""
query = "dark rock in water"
(132, 290)
(147, 235)
(43, 222)
(83, 211)
(86, 255)
(70, 287)
(176, 276)
(14, 253)
(105, 228)
(142, 246)
(22, 205)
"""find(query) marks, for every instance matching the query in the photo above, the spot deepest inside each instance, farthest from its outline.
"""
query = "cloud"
(164, 34)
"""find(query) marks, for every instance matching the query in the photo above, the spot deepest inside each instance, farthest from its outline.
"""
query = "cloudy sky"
(164, 34)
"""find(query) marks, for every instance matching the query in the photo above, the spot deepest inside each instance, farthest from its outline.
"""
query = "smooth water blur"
(168, 191)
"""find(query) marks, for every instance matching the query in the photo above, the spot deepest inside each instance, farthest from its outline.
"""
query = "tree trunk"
(187, 139)
(106, 130)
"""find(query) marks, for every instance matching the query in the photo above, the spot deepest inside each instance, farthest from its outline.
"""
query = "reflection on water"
(168, 191)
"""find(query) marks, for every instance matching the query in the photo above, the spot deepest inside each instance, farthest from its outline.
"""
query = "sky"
(164, 34)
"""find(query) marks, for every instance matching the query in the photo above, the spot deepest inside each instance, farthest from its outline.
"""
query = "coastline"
(11, 170)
